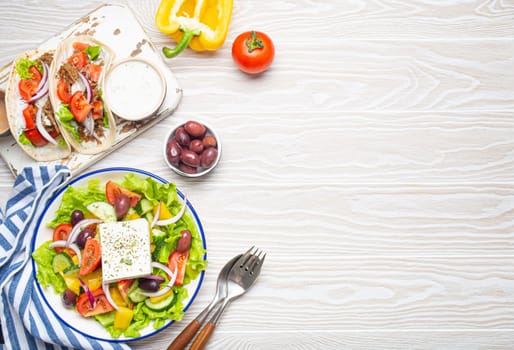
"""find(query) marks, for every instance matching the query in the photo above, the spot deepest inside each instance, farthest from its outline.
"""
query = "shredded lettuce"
(23, 65)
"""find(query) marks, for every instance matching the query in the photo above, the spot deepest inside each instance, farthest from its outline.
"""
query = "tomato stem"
(253, 42)
(189, 34)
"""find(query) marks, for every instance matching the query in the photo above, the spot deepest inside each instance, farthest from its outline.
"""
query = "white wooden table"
(374, 162)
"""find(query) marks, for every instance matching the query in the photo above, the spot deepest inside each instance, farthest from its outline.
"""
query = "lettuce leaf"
(23, 65)
(43, 256)
(68, 120)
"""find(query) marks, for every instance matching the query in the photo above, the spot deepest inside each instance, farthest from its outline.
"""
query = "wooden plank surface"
(374, 162)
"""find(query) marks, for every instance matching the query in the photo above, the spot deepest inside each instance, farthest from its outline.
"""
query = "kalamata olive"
(195, 129)
(190, 158)
(149, 284)
(184, 242)
(121, 205)
(76, 217)
(69, 299)
(209, 141)
(173, 150)
(83, 236)
(196, 146)
(186, 168)
(182, 137)
(208, 157)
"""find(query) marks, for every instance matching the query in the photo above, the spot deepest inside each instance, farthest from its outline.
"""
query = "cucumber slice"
(144, 206)
(134, 293)
(163, 304)
(102, 210)
(61, 261)
(71, 271)
(106, 319)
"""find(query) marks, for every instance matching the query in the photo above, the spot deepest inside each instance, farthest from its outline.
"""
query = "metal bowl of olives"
(192, 149)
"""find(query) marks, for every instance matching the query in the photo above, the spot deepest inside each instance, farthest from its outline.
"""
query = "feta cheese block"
(125, 250)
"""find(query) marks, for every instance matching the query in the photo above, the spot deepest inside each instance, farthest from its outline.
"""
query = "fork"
(242, 276)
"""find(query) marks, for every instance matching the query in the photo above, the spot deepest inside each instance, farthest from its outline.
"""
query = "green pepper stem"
(253, 42)
(189, 34)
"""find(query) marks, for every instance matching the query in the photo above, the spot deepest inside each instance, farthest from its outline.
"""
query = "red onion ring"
(168, 286)
(64, 244)
(89, 124)
(41, 128)
(44, 79)
(176, 217)
(90, 295)
(89, 89)
(154, 277)
(156, 217)
(107, 292)
(78, 227)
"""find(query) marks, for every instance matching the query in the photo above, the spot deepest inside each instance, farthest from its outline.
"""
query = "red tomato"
(36, 138)
(98, 110)
(63, 91)
(61, 233)
(79, 106)
(253, 52)
(91, 257)
(77, 45)
(101, 304)
(94, 71)
(123, 288)
(36, 74)
(78, 59)
(178, 260)
(29, 114)
(113, 190)
(27, 88)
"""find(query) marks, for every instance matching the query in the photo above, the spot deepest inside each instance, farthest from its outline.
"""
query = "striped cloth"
(27, 322)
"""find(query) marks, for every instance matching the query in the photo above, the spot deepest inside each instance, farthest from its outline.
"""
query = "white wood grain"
(374, 162)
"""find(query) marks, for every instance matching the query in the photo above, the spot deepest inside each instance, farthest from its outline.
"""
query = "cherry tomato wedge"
(61, 233)
(113, 190)
(78, 59)
(63, 91)
(36, 74)
(253, 52)
(77, 45)
(79, 106)
(27, 88)
(101, 304)
(94, 71)
(91, 257)
(29, 114)
(178, 260)
(98, 110)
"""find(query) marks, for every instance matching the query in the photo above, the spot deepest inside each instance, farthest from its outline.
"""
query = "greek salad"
(122, 253)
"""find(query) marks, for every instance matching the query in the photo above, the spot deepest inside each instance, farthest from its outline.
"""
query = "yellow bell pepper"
(199, 24)
(122, 318)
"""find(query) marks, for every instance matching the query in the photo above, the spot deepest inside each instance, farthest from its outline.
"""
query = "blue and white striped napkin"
(27, 321)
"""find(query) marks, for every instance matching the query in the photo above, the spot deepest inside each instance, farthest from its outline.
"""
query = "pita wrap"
(41, 139)
(79, 68)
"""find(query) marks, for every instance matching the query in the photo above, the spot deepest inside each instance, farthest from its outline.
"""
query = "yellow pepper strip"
(122, 318)
(199, 24)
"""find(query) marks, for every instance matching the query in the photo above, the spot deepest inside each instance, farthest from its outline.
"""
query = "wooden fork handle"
(185, 336)
(203, 338)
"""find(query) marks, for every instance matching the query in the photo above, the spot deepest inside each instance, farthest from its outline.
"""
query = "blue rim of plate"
(106, 170)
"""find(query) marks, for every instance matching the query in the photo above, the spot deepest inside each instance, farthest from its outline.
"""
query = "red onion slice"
(90, 295)
(41, 93)
(58, 244)
(107, 292)
(89, 124)
(78, 227)
(155, 278)
(176, 217)
(41, 128)
(89, 89)
(156, 217)
(44, 79)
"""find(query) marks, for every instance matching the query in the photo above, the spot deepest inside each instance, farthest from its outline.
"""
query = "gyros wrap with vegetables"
(76, 83)
(29, 110)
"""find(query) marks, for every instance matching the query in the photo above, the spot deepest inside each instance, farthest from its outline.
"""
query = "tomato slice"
(61, 233)
(36, 138)
(29, 114)
(113, 190)
(63, 91)
(77, 45)
(79, 106)
(27, 88)
(94, 71)
(123, 288)
(178, 260)
(36, 74)
(101, 304)
(78, 59)
(91, 257)
(98, 110)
